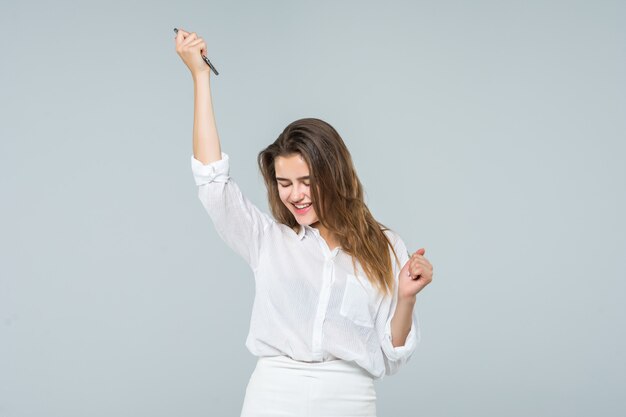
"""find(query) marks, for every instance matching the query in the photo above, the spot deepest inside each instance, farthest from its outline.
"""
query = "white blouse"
(308, 304)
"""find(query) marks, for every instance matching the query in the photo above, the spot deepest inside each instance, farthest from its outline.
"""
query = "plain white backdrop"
(489, 132)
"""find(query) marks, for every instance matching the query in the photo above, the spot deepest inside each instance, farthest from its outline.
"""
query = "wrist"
(407, 300)
(203, 77)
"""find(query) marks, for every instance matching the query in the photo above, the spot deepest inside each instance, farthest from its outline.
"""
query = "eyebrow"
(287, 179)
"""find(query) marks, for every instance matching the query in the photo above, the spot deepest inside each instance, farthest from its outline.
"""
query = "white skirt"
(281, 386)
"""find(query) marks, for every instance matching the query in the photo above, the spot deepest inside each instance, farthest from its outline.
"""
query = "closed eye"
(289, 185)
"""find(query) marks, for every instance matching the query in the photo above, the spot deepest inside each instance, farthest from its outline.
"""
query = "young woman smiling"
(335, 289)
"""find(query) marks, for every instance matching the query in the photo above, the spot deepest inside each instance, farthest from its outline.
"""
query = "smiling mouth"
(302, 206)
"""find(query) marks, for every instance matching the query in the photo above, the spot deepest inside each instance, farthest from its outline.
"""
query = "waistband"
(335, 365)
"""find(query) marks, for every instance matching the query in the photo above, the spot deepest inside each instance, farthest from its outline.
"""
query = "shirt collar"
(303, 229)
(301, 232)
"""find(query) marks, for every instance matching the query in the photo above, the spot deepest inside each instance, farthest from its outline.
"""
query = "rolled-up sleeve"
(396, 357)
(237, 220)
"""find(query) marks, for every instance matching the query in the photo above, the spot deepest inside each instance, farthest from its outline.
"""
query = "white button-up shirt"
(308, 304)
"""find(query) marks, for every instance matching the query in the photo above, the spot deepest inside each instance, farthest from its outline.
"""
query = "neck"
(324, 232)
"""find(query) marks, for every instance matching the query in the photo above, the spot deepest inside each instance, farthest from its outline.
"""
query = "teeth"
(304, 206)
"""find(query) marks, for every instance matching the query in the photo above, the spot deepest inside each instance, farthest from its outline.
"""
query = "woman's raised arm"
(206, 142)
(237, 220)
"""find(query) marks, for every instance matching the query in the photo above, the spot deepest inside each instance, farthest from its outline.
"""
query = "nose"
(297, 192)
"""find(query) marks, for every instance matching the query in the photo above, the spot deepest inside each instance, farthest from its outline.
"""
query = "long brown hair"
(337, 196)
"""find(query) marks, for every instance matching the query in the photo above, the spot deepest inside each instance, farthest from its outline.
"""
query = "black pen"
(203, 57)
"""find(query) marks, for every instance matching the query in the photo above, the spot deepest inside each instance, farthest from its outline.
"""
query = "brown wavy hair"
(337, 196)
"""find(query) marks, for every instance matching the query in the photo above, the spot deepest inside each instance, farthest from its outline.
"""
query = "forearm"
(402, 321)
(206, 142)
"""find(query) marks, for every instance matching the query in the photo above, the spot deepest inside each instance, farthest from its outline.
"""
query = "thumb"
(180, 36)
(421, 251)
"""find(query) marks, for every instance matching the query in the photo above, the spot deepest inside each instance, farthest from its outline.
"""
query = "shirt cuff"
(399, 352)
(216, 171)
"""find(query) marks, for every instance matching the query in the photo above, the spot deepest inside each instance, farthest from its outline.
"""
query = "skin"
(292, 177)
(416, 273)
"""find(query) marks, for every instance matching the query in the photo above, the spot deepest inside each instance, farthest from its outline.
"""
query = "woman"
(335, 289)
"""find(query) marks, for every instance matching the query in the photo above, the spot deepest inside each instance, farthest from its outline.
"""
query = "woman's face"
(292, 177)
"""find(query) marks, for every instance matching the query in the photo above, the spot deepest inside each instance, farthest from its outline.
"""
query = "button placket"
(320, 316)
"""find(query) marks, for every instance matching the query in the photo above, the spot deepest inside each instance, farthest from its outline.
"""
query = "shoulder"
(399, 247)
(393, 236)
(283, 230)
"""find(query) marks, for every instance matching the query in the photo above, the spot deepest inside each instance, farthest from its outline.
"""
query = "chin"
(310, 222)
(305, 221)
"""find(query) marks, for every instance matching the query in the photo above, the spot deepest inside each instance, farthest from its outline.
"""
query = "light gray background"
(489, 132)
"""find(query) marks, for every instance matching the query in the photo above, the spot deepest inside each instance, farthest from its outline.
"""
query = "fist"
(190, 48)
(415, 275)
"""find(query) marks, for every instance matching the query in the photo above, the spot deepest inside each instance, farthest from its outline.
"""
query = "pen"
(203, 57)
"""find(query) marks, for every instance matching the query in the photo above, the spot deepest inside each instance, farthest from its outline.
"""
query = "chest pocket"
(355, 302)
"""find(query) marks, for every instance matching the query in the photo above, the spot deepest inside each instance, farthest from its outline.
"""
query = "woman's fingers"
(198, 45)
(191, 48)
(197, 42)
(420, 265)
(180, 36)
(422, 262)
(186, 39)
(190, 38)
(417, 255)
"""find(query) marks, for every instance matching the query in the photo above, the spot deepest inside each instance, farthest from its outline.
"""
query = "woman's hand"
(190, 48)
(414, 276)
